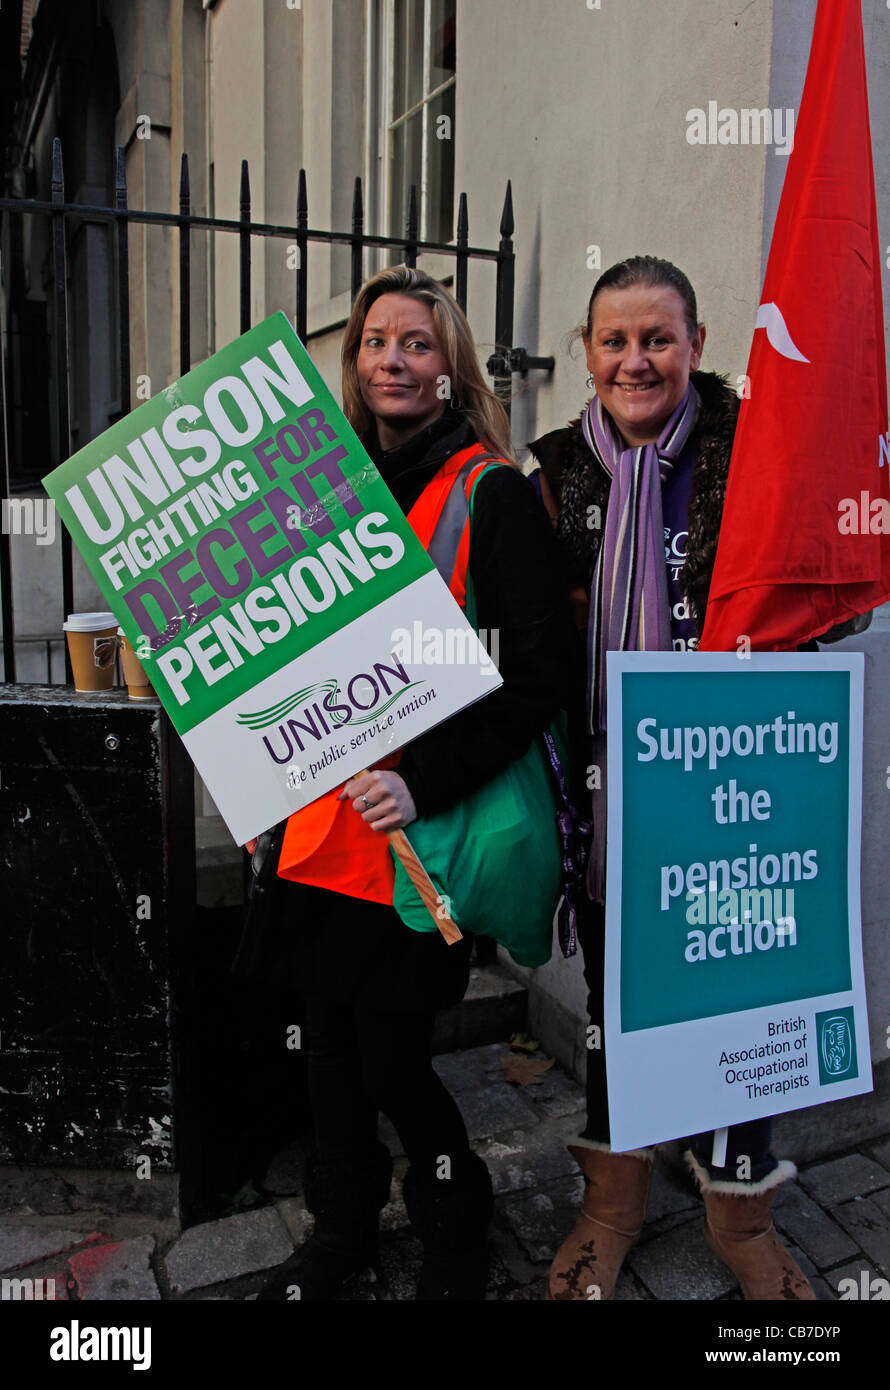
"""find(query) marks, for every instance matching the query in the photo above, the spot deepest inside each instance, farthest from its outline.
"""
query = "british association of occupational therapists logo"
(836, 1034)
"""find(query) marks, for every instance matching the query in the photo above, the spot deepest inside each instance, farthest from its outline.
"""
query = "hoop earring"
(591, 384)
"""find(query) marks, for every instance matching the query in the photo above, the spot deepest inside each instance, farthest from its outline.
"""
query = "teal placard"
(670, 822)
(234, 521)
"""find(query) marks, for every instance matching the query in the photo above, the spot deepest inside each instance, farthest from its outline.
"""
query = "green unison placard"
(262, 570)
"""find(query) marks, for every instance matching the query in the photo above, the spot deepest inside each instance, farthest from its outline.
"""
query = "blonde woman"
(415, 395)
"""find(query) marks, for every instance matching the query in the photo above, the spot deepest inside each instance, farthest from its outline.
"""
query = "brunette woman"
(635, 487)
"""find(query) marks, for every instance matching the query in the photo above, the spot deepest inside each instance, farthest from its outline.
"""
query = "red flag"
(804, 538)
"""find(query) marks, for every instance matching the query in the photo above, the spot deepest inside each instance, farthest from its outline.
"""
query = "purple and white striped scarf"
(629, 609)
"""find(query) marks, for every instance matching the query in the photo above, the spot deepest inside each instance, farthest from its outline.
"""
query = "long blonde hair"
(478, 402)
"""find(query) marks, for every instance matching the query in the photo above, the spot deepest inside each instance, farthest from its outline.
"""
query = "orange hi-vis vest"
(326, 843)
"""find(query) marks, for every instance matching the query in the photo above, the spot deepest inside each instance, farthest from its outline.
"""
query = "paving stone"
(854, 1270)
(881, 1152)
(66, 1191)
(882, 1199)
(23, 1245)
(487, 1111)
(219, 1250)
(118, 1271)
(801, 1218)
(843, 1178)
(528, 1158)
(394, 1216)
(493, 1110)
(565, 1103)
(822, 1291)
(628, 1289)
(467, 1071)
(542, 1220)
(501, 1281)
(653, 1229)
(64, 1284)
(511, 1254)
(667, 1197)
(680, 1265)
(479, 1069)
(868, 1226)
(297, 1219)
(557, 1095)
(529, 1293)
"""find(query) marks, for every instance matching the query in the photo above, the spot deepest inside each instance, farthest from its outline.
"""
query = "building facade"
(587, 106)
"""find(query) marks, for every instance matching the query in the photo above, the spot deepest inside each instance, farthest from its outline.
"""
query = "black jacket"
(521, 594)
(577, 483)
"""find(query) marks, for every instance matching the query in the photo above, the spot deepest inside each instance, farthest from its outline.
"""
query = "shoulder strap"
(485, 464)
(539, 482)
(449, 545)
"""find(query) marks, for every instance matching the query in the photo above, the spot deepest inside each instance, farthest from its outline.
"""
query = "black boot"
(345, 1195)
(450, 1216)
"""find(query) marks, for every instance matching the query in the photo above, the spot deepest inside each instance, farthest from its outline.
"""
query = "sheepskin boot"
(739, 1228)
(346, 1196)
(616, 1190)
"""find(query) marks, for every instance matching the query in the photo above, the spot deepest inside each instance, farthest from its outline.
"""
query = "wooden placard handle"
(431, 897)
(418, 875)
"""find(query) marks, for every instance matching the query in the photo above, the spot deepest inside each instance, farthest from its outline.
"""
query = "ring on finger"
(367, 802)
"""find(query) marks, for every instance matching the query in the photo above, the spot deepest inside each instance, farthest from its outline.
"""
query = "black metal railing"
(502, 364)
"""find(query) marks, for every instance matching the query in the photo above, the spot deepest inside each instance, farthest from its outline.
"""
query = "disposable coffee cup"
(139, 687)
(92, 646)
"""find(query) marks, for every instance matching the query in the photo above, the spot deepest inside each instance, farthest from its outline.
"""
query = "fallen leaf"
(521, 1042)
(524, 1071)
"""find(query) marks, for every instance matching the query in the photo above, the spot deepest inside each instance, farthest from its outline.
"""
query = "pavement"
(106, 1237)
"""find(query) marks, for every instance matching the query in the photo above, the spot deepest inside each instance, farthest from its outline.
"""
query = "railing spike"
(58, 176)
(507, 223)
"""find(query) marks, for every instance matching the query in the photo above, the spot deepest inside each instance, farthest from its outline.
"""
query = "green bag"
(495, 857)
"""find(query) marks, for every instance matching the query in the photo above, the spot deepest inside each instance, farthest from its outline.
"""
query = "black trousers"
(748, 1156)
(372, 988)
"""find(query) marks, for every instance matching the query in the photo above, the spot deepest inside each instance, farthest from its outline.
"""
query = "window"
(410, 88)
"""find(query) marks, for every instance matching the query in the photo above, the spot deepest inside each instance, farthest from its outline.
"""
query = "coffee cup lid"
(89, 622)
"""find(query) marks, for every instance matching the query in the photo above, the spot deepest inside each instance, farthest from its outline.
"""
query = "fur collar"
(580, 485)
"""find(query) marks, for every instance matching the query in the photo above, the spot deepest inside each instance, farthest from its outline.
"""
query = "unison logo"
(318, 710)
